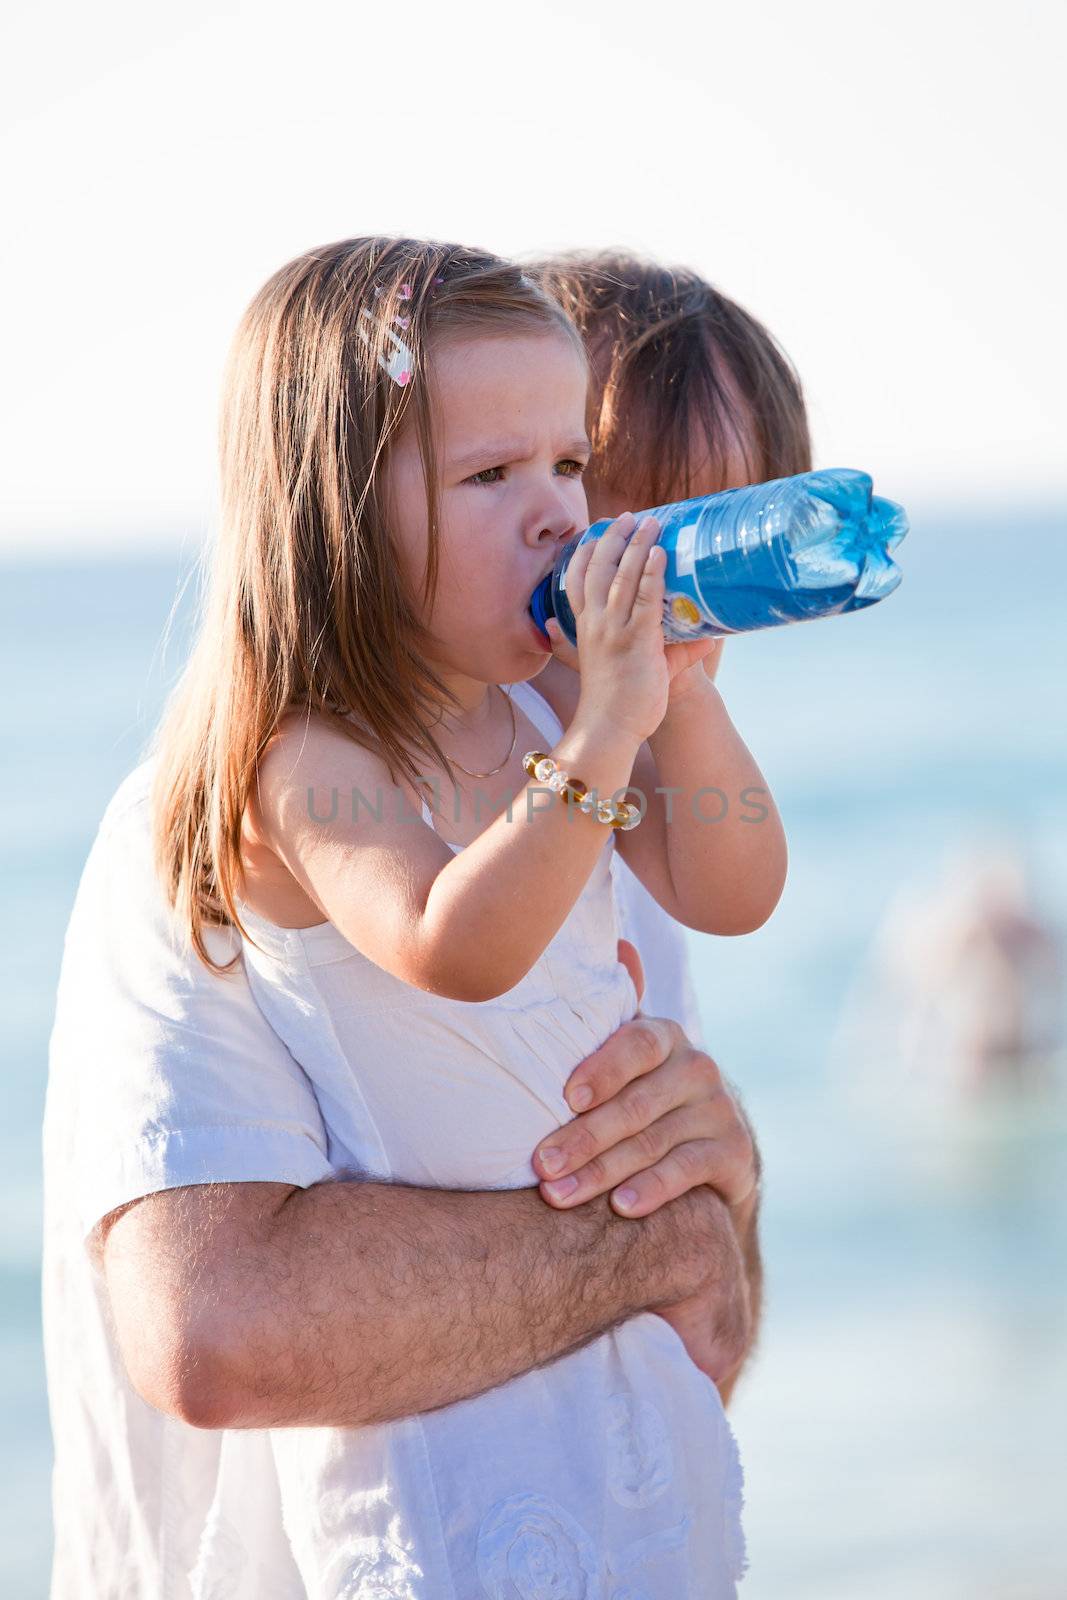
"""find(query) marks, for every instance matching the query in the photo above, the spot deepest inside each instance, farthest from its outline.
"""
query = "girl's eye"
(486, 475)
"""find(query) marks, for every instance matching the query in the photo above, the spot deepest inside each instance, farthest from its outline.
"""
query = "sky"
(876, 183)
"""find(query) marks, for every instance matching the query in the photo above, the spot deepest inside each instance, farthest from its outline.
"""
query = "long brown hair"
(668, 352)
(302, 602)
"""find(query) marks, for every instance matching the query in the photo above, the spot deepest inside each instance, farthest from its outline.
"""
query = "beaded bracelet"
(617, 813)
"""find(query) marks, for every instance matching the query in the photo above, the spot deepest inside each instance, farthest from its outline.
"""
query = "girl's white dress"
(609, 1474)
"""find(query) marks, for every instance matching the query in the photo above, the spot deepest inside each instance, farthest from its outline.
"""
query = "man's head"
(689, 394)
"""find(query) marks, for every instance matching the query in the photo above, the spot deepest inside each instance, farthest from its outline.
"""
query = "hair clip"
(399, 364)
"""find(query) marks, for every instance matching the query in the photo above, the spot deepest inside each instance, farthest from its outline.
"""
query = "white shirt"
(163, 1074)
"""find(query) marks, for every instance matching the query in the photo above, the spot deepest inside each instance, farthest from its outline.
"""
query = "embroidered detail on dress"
(652, 1545)
(379, 1570)
(640, 1459)
(530, 1548)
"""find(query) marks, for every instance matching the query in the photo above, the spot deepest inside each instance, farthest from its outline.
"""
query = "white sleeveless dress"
(609, 1474)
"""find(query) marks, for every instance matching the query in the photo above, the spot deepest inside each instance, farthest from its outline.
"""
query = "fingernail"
(625, 1198)
(562, 1187)
(551, 1159)
(581, 1097)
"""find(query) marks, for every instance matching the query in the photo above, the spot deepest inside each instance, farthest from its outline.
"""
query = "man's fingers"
(678, 1172)
(636, 1048)
(592, 1167)
(673, 1114)
(631, 960)
(656, 1164)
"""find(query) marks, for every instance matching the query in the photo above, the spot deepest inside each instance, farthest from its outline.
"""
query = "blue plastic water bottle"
(786, 551)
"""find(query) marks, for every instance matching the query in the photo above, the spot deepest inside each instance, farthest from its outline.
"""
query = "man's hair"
(672, 360)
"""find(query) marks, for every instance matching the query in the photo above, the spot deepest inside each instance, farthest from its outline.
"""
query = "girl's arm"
(712, 848)
(715, 876)
(471, 926)
(467, 926)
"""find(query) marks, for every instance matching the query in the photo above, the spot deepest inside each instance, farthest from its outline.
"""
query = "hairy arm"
(354, 1302)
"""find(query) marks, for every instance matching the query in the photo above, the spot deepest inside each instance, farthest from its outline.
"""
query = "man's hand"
(716, 1333)
(660, 1120)
(662, 1117)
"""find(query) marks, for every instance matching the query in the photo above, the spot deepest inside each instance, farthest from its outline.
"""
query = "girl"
(402, 448)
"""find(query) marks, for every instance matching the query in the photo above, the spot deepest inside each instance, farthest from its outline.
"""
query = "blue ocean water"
(901, 1424)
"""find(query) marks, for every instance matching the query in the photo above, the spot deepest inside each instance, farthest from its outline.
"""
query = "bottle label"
(685, 551)
(681, 617)
(685, 612)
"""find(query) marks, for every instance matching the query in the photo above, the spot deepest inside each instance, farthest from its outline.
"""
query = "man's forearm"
(366, 1301)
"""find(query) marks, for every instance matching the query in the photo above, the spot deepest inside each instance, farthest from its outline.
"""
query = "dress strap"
(537, 709)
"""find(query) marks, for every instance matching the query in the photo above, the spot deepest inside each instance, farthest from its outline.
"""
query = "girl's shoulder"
(307, 750)
(302, 736)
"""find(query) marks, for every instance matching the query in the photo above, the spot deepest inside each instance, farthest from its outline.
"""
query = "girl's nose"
(554, 523)
(558, 532)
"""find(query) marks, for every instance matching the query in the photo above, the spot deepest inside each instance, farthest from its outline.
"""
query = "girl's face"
(509, 423)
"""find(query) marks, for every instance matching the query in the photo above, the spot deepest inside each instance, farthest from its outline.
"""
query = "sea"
(902, 1422)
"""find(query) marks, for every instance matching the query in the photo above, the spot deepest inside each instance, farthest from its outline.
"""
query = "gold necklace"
(507, 758)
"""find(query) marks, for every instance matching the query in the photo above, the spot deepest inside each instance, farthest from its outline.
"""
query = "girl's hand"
(660, 1120)
(615, 589)
(688, 662)
(682, 658)
(686, 665)
(713, 660)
